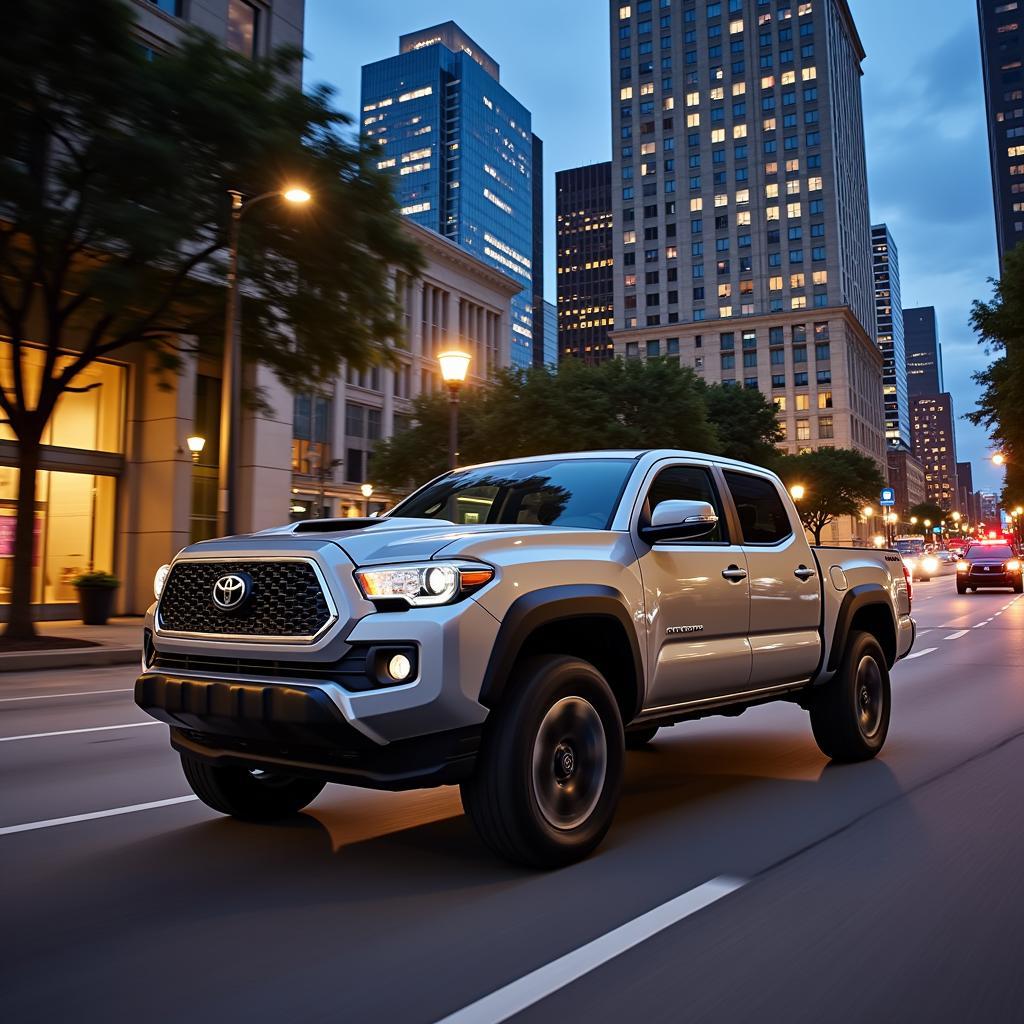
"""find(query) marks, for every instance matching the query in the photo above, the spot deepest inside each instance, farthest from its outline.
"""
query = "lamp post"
(454, 367)
(366, 490)
(891, 519)
(231, 375)
(196, 444)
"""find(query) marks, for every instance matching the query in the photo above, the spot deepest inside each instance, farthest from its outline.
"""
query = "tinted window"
(580, 493)
(687, 483)
(763, 517)
(989, 551)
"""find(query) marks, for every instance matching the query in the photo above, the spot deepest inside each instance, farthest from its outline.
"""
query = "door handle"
(803, 573)
(734, 574)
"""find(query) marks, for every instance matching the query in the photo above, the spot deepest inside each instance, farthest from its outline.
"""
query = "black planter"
(96, 604)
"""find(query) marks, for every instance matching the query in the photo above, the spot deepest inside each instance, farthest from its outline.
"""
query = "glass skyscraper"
(889, 321)
(462, 152)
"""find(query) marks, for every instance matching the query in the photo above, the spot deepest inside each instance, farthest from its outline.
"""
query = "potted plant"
(96, 592)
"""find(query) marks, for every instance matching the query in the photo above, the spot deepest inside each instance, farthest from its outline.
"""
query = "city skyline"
(929, 112)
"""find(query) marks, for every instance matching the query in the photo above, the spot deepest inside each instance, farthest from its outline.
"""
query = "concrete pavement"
(887, 890)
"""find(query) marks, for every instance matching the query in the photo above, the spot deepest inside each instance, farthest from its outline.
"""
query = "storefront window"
(74, 531)
(93, 420)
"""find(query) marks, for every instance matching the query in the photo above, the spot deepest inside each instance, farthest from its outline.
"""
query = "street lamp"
(196, 444)
(998, 459)
(797, 491)
(867, 511)
(366, 490)
(231, 376)
(454, 367)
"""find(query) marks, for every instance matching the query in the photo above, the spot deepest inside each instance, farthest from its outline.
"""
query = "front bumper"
(989, 579)
(298, 728)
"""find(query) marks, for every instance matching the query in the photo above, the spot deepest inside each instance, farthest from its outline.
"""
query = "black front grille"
(349, 671)
(286, 600)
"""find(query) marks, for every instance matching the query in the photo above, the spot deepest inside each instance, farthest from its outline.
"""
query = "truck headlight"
(1013, 565)
(962, 566)
(430, 583)
(159, 580)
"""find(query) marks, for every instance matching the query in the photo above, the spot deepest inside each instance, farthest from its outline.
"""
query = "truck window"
(687, 483)
(763, 517)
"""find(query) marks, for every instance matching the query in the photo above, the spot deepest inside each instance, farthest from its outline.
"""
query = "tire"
(960, 588)
(249, 795)
(638, 739)
(549, 771)
(1018, 587)
(850, 713)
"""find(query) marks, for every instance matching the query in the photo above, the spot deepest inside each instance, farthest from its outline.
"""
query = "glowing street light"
(797, 491)
(998, 459)
(454, 369)
(366, 490)
(867, 511)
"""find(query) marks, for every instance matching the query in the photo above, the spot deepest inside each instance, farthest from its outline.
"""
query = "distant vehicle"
(921, 565)
(945, 557)
(989, 564)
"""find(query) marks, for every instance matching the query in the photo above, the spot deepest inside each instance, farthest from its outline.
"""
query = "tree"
(746, 425)
(114, 173)
(926, 510)
(836, 481)
(617, 404)
(999, 325)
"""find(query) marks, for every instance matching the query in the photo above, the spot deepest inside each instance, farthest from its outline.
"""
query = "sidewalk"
(117, 643)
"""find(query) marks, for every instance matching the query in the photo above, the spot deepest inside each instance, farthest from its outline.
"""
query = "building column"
(265, 456)
(416, 319)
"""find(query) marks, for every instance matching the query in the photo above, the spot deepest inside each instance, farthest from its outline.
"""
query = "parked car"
(989, 564)
(512, 628)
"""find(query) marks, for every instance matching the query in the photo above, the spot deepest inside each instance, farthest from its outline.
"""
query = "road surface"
(744, 878)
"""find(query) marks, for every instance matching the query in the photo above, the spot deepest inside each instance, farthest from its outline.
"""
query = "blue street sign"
(888, 496)
(936, 529)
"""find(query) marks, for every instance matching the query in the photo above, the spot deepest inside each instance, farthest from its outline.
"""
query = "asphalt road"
(885, 891)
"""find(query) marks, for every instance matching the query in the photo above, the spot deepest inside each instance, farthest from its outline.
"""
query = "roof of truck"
(619, 453)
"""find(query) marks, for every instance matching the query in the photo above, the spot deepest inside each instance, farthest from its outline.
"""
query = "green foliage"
(618, 404)
(836, 481)
(114, 179)
(999, 325)
(101, 580)
(925, 510)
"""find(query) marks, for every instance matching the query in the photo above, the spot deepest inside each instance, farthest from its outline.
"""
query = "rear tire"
(549, 771)
(638, 739)
(850, 713)
(249, 795)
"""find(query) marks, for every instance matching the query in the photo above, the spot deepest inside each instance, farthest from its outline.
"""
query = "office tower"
(541, 342)
(550, 334)
(583, 245)
(461, 148)
(1002, 56)
(970, 504)
(906, 478)
(931, 424)
(889, 323)
(739, 192)
(924, 353)
(989, 501)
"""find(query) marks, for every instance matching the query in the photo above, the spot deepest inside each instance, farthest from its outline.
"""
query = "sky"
(924, 117)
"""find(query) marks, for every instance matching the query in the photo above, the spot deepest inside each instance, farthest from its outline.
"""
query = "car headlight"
(159, 580)
(430, 583)
(1013, 565)
(930, 565)
(963, 566)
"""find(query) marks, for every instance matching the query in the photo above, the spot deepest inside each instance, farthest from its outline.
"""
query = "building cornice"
(443, 249)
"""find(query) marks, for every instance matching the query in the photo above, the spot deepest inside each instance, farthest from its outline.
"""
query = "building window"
(242, 28)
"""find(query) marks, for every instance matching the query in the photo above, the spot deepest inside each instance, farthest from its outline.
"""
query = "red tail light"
(910, 588)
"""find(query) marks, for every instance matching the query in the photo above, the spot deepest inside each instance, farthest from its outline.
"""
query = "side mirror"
(679, 520)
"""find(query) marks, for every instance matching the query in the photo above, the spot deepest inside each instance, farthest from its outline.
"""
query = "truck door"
(696, 598)
(785, 588)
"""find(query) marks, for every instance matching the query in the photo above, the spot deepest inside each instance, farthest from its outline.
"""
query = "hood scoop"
(333, 525)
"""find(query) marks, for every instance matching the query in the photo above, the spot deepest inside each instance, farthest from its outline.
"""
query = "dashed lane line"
(74, 732)
(920, 654)
(32, 826)
(54, 696)
(956, 636)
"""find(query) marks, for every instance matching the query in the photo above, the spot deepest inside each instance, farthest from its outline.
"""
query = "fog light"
(399, 668)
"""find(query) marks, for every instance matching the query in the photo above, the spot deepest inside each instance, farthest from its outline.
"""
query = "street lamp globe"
(867, 511)
(927, 522)
(296, 195)
(196, 444)
(454, 367)
(797, 491)
(366, 490)
(913, 520)
(998, 459)
(956, 517)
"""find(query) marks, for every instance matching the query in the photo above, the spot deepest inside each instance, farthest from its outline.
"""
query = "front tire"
(850, 713)
(246, 794)
(1018, 587)
(961, 588)
(549, 772)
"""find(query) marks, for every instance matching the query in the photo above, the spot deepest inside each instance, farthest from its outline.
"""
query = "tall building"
(541, 342)
(584, 257)
(550, 334)
(924, 352)
(889, 323)
(989, 501)
(1002, 63)
(970, 503)
(739, 194)
(906, 478)
(931, 424)
(462, 152)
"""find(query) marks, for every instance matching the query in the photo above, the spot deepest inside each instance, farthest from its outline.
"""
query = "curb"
(76, 657)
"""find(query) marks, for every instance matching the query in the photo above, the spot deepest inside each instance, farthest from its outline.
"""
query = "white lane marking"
(539, 984)
(31, 826)
(81, 693)
(920, 654)
(74, 732)
(978, 625)
(921, 632)
(956, 636)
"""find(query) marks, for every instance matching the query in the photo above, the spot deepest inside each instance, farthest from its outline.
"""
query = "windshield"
(910, 547)
(579, 493)
(989, 551)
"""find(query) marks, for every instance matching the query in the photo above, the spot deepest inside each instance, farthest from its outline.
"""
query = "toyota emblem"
(230, 592)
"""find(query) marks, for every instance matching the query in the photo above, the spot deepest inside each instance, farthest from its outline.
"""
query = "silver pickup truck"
(512, 628)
